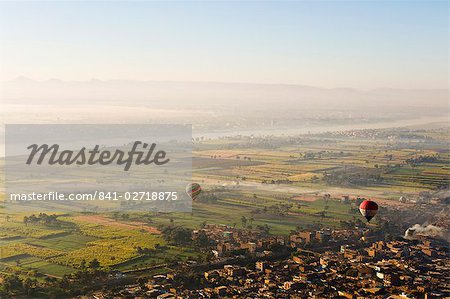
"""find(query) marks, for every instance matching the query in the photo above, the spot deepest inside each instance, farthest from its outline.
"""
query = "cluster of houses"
(396, 269)
(229, 240)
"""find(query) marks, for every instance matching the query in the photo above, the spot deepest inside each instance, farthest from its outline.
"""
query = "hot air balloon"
(193, 190)
(368, 209)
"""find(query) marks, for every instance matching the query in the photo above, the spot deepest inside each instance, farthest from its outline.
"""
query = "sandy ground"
(305, 193)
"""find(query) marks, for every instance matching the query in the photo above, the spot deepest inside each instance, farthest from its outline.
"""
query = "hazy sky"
(331, 44)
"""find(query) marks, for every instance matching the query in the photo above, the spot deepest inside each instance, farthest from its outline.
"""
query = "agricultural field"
(58, 251)
(341, 165)
(274, 183)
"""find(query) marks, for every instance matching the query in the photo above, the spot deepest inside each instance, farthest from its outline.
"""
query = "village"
(307, 264)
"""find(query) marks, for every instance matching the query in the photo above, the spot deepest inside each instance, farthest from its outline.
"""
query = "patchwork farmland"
(276, 183)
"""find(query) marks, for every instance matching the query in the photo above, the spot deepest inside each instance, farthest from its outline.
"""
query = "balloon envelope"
(368, 209)
(193, 190)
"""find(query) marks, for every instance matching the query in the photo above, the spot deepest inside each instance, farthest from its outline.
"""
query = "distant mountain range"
(209, 94)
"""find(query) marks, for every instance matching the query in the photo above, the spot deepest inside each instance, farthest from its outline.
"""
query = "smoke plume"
(424, 230)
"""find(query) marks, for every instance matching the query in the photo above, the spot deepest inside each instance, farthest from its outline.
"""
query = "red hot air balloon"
(368, 209)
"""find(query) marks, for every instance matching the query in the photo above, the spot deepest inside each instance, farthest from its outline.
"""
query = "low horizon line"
(22, 77)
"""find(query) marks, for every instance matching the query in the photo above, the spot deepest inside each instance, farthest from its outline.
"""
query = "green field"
(277, 182)
(42, 250)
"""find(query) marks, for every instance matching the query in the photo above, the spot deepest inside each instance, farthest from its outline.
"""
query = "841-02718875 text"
(97, 195)
(138, 195)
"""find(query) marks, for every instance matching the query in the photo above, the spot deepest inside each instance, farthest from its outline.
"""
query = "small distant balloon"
(193, 190)
(368, 209)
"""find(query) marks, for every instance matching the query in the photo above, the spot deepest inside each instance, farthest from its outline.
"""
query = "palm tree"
(244, 221)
